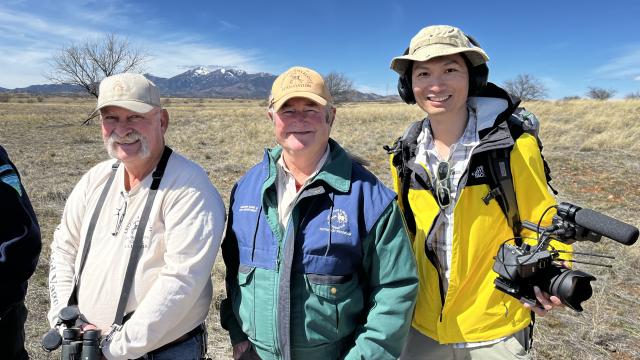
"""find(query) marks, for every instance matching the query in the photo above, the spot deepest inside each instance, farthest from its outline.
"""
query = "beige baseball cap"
(298, 81)
(438, 40)
(129, 91)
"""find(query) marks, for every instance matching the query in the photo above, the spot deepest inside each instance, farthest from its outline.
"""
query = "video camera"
(76, 344)
(520, 268)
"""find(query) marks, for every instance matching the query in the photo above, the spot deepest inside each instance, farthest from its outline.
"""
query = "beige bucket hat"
(438, 40)
(299, 81)
(129, 91)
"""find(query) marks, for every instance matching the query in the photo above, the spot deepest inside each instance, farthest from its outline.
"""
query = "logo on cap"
(297, 79)
(119, 88)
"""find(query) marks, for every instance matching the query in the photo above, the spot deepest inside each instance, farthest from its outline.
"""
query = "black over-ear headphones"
(478, 77)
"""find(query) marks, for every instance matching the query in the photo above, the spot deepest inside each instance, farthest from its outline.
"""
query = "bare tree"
(598, 93)
(526, 87)
(340, 87)
(633, 96)
(87, 63)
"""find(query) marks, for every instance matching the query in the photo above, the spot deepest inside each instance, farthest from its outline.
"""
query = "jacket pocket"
(245, 301)
(332, 307)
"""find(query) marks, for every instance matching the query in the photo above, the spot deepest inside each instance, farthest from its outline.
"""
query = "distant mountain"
(218, 83)
(48, 89)
(200, 82)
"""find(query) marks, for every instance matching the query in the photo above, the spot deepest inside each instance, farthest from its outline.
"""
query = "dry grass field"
(592, 148)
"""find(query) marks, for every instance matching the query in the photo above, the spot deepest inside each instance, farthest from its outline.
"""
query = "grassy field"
(592, 148)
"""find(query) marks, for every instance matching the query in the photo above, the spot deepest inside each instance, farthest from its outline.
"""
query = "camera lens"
(572, 287)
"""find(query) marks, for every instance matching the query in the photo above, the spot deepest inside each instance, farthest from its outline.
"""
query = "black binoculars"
(75, 343)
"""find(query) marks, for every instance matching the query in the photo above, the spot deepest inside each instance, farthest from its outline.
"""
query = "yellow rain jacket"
(472, 309)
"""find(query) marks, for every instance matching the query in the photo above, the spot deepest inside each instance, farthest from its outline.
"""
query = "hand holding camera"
(522, 268)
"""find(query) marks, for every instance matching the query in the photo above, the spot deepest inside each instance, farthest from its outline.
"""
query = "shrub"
(598, 93)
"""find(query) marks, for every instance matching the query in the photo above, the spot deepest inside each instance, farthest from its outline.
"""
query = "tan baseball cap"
(129, 91)
(438, 40)
(298, 81)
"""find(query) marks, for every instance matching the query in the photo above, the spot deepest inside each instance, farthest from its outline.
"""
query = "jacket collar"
(496, 106)
(336, 172)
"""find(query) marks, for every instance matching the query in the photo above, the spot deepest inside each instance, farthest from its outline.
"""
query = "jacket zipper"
(291, 237)
(433, 258)
(431, 255)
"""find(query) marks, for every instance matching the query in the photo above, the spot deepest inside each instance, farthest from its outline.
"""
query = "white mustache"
(130, 138)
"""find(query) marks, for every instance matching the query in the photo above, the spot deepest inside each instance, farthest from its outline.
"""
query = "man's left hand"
(547, 302)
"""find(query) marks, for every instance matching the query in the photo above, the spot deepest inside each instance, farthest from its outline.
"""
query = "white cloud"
(29, 39)
(227, 25)
(21, 26)
(637, 78)
(626, 66)
(173, 57)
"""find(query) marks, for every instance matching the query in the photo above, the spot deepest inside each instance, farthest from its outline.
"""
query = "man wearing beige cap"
(456, 214)
(319, 265)
(139, 235)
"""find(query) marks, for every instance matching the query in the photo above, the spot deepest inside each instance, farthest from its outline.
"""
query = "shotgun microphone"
(604, 225)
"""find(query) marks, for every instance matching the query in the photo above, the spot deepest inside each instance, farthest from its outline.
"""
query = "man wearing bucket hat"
(318, 261)
(441, 174)
(150, 213)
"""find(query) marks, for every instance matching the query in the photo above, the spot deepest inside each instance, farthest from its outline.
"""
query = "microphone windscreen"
(606, 226)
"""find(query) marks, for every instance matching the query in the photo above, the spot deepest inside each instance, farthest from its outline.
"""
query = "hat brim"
(277, 104)
(400, 64)
(132, 105)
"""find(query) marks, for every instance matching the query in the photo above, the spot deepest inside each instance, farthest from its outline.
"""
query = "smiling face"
(132, 137)
(441, 86)
(302, 126)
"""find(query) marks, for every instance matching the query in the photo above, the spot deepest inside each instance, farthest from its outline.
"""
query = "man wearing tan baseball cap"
(148, 220)
(442, 170)
(318, 262)
(129, 91)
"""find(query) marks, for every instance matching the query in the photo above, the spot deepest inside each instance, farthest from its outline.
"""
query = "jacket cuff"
(230, 323)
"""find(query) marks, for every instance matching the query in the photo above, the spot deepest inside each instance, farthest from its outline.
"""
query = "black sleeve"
(20, 242)
(231, 257)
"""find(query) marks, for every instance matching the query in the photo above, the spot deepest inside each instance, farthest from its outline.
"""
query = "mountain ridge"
(199, 82)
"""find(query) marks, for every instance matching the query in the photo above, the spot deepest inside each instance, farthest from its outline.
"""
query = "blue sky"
(569, 45)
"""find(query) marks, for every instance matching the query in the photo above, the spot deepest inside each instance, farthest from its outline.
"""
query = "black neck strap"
(137, 243)
(73, 298)
(136, 248)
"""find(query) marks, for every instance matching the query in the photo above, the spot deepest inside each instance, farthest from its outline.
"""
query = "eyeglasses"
(443, 184)
(121, 211)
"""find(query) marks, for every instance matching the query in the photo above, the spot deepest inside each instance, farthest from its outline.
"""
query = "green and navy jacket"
(339, 281)
(20, 242)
